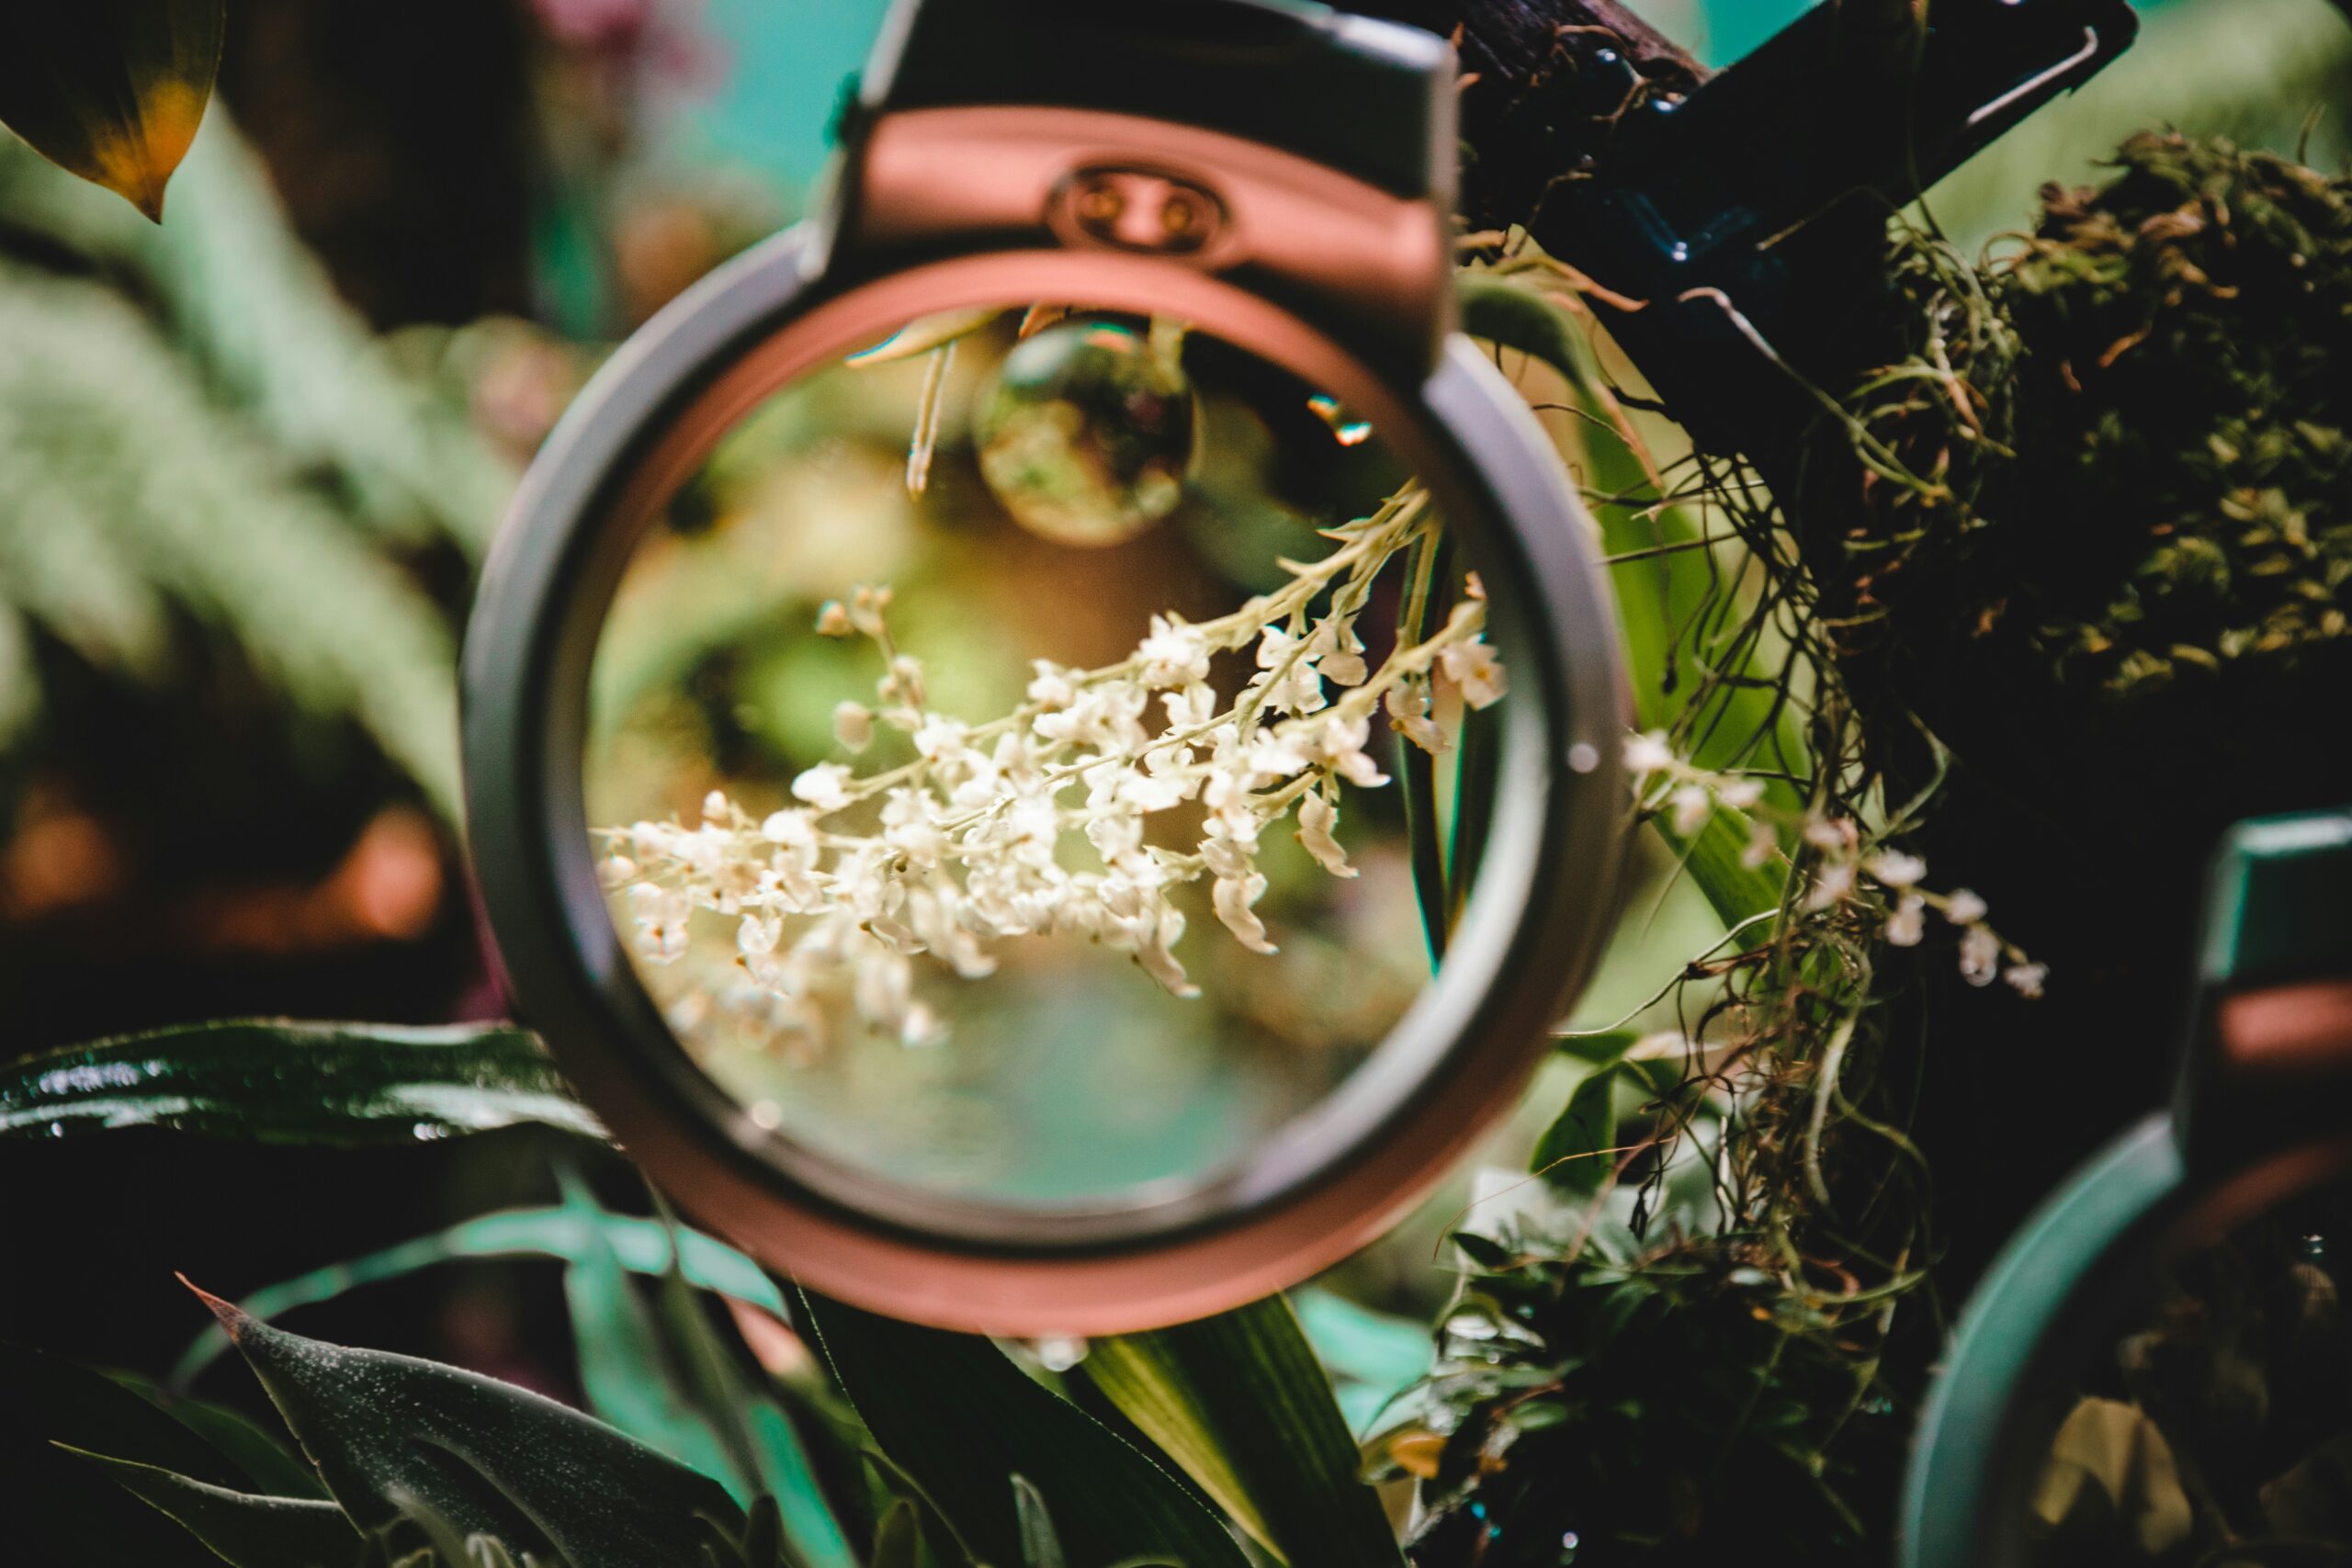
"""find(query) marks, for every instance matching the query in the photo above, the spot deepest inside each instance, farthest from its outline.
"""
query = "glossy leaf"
(111, 89)
(961, 1420)
(1239, 1401)
(273, 1081)
(489, 1458)
(243, 1530)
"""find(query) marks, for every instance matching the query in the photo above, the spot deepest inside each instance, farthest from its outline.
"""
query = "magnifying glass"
(2158, 1369)
(1042, 746)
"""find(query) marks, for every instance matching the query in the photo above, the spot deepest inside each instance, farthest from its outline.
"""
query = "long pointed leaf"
(1239, 1401)
(491, 1459)
(276, 1082)
(962, 1420)
(245, 1530)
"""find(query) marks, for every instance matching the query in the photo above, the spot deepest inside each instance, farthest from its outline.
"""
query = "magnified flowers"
(1076, 814)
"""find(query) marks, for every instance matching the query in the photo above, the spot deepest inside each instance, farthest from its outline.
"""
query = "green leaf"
(1040, 1547)
(1373, 1357)
(489, 1458)
(641, 1245)
(1239, 1401)
(754, 1430)
(111, 89)
(268, 1081)
(954, 1413)
(245, 1530)
(627, 1368)
(898, 1539)
(83, 1516)
(259, 1454)
(1573, 1154)
(1714, 857)
(1516, 313)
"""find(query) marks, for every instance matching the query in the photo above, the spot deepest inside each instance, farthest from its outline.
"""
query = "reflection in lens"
(2217, 1426)
(999, 867)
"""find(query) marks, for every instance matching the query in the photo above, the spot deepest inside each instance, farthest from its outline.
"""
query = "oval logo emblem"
(1138, 209)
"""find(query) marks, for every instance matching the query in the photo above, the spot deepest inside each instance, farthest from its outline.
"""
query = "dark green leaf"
(1040, 1547)
(1239, 1401)
(962, 1420)
(83, 1516)
(643, 1246)
(111, 89)
(261, 1455)
(753, 1428)
(898, 1539)
(491, 1459)
(247, 1532)
(301, 1083)
(1517, 313)
(626, 1371)
(1488, 1253)
(1576, 1154)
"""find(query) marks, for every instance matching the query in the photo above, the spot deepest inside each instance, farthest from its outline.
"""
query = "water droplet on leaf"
(1085, 434)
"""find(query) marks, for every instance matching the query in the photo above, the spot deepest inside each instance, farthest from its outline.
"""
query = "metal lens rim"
(1456, 1062)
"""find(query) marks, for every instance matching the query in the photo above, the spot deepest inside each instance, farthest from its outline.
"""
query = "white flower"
(1831, 887)
(1232, 898)
(795, 829)
(1409, 716)
(1316, 818)
(824, 786)
(1646, 754)
(1762, 845)
(1831, 835)
(1340, 743)
(853, 725)
(1692, 807)
(1740, 793)
(2026, 978)
(1908, 924)
(757, 936)
(615, 870)
(1962, 907)
(716, 806)
(1474, 667)
(941, 739)
(1895, 869)
(1340, 654)
(1052, 688)
(1980, 955)
(1174, 654)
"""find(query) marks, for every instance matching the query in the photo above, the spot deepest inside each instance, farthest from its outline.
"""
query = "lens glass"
(1035, 756)
(2215, 1426)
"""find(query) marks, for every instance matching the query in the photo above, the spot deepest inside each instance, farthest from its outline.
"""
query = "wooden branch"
(1543, 81)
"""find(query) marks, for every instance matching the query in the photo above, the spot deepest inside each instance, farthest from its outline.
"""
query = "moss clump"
(2119, 453)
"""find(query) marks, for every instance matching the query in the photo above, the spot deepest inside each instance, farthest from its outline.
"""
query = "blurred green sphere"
(1085, 434)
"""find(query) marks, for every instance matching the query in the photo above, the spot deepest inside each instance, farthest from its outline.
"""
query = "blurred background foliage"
(249, 459)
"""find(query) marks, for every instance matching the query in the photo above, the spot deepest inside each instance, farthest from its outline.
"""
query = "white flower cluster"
(835, 897)
(1849, 870)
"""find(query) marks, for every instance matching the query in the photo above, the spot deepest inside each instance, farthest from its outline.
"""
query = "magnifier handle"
(2270, 1063)
(1372, 99)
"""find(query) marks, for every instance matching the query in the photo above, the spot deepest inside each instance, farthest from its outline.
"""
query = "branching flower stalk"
(977, 839)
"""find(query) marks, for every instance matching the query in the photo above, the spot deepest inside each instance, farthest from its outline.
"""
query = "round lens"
(1036, 755)
(2211, 1426)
